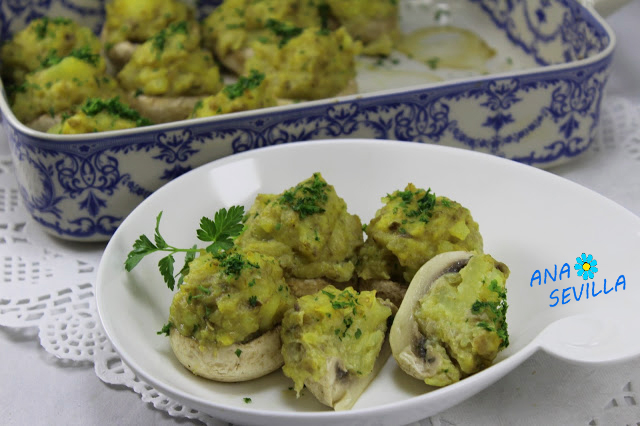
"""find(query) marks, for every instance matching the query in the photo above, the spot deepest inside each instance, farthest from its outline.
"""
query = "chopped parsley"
(238, 88)
(328, 294)
(347, 300)
(232, 264)
(253, 301)
(432, 62)
(159, 40)
(238, 352)
(113, 106)
(440, 13)
(497, 313)
(83, 53)
(425, 202)
(246, 400)
(308, 197)
(204, 289)
(283, 30)
(42, 26)
(324, 11)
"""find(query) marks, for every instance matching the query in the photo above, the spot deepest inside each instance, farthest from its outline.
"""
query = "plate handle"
(600, 336)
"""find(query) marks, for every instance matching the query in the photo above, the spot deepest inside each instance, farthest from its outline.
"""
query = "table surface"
(37, 388)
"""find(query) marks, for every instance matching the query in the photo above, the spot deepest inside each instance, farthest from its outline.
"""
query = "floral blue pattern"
(83, 190)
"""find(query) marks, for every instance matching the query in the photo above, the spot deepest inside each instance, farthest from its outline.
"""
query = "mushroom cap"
(404, 332)
(235, 363)
(341, 390)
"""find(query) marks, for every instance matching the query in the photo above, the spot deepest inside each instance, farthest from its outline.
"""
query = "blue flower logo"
(586, 266)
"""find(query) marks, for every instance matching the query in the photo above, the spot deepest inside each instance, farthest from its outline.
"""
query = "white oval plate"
(530, 219)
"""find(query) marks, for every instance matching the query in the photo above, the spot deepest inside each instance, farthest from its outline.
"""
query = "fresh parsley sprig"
(220, 232)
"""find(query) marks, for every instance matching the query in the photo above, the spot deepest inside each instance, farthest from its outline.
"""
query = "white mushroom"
(161, 109)
(235, 363)
(341, 390)
(469, 328)
(117, 55)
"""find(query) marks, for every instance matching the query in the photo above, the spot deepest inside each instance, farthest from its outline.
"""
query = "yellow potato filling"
(230, 298)
(307, 229)
(412, 227)
(333, 323)
(463, 317)
(171, 63)
(41, 39)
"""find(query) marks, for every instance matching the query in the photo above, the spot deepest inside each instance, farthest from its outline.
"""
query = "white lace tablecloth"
(53, 349)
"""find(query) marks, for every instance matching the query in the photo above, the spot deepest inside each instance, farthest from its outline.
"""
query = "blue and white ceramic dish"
(539, 103)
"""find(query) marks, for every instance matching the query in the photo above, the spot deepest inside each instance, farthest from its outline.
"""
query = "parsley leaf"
(141, 248)
(226, 225)
(166, 329)
(166, 269)
(221, 230)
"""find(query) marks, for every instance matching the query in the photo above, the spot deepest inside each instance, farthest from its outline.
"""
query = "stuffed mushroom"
(169, 73)
(225, 319)
(412, 227)
(309, 231)
(62, 84)
(307, 64)
(245, 94)
(129, 23)
(100, 115)
(334, 342)
(43, 39)
(452, 322)
(233, 26)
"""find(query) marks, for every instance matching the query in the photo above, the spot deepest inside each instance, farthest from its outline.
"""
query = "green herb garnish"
(425, 204)
(226, 225)
(441, 13)
(253, 301)
(283, 30)
(113, 106)
(307, 198)
(324, 11)
(432, 62)
(42, 26)
(238, 88)
(83, 53)
(233, 264)
(497, 312)
(166, 329)
(159, 40)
